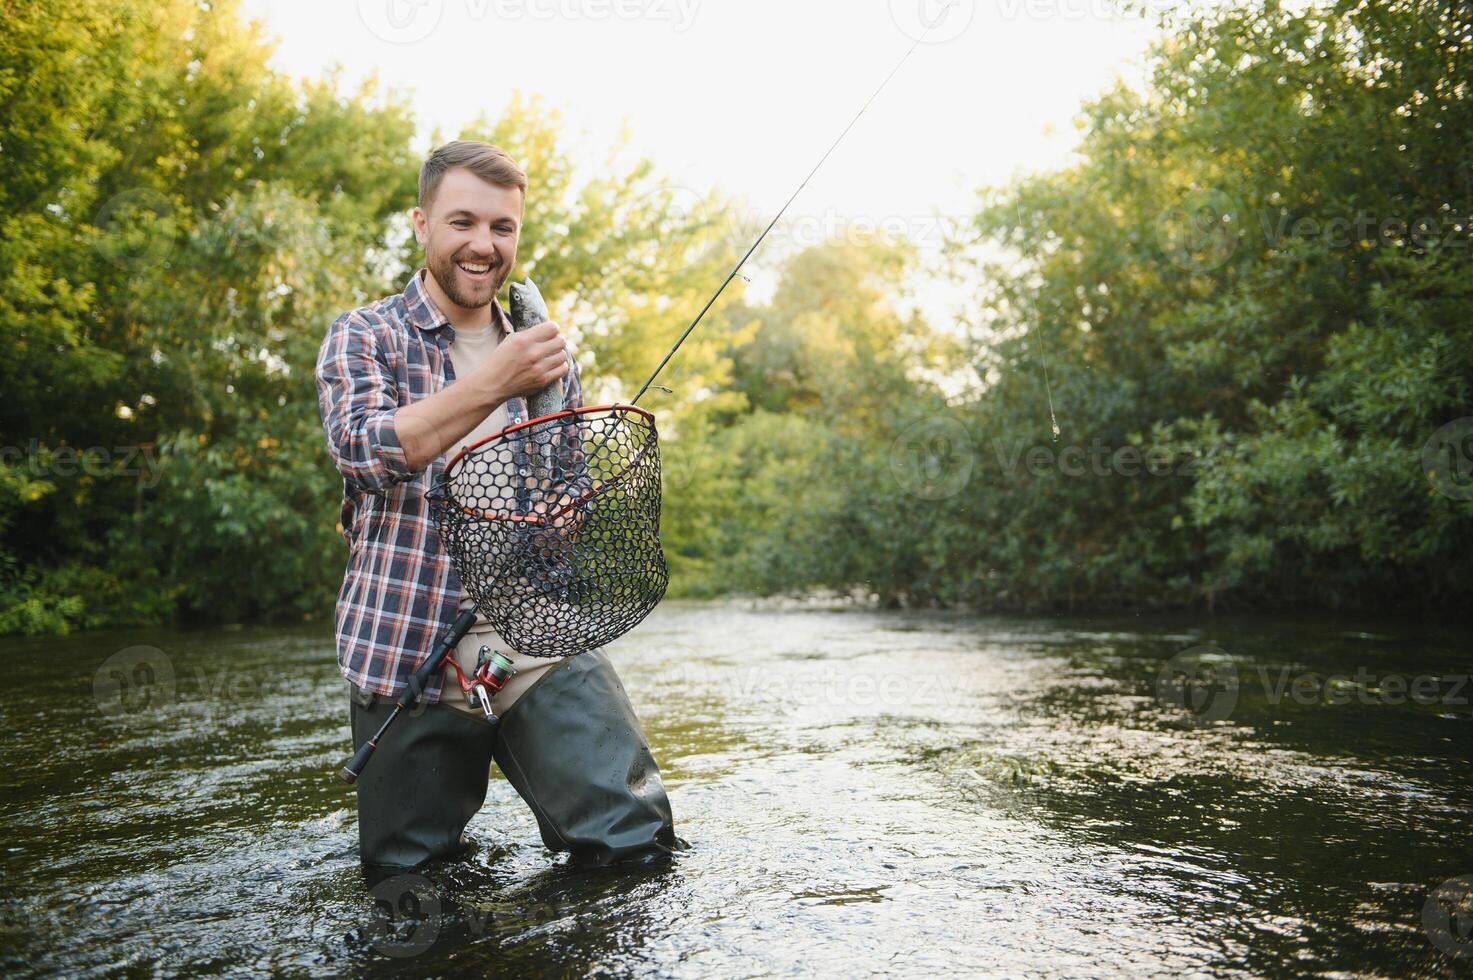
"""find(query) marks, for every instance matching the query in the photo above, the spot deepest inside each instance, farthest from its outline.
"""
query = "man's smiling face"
(470, 236)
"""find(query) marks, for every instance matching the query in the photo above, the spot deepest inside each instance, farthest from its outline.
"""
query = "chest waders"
(571, 746)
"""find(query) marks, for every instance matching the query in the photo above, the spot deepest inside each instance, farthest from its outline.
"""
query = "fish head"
(527, 306)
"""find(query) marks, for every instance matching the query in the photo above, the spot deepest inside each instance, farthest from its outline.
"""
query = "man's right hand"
(523, 363)
(526, 361)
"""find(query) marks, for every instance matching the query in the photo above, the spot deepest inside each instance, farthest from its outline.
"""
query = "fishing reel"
(493, 670)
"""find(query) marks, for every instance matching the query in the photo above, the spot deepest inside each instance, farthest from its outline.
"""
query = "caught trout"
(528, 309)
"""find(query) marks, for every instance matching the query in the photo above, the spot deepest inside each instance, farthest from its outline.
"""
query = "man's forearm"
(427, 428)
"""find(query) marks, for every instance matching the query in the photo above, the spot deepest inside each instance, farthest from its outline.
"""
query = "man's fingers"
(545, 346)
(553, 368)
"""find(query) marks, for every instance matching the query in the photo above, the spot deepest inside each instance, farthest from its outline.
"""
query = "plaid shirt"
(399, 591)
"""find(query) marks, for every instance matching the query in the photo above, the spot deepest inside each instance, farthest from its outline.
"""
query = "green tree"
(1233, 270)
(181, 224)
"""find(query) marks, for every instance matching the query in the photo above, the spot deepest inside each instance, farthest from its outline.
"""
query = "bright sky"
(745, 95)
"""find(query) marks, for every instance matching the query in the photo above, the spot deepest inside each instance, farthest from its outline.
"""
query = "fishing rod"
(736, 269)
(411, 693)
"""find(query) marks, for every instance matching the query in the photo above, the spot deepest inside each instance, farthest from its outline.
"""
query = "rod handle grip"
(350, 773)
(420, 680)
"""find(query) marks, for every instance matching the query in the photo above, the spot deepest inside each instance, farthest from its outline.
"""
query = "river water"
(863, 792)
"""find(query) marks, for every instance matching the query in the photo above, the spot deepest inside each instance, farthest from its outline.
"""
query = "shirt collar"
(425, 315)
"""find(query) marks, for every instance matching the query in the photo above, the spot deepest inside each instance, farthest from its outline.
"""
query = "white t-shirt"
(469, 350)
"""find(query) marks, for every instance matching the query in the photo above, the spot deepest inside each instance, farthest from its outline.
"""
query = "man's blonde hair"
(490, 163)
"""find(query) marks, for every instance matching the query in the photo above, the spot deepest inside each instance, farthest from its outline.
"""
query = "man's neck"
(460, 317)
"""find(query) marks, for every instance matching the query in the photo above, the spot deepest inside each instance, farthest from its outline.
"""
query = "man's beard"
(463, 293)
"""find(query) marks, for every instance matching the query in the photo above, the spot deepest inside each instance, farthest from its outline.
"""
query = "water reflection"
(863, 792)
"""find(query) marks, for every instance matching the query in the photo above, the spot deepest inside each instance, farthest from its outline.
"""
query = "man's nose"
(483, 243)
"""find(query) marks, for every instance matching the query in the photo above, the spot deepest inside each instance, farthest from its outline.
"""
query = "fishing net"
(554, 527)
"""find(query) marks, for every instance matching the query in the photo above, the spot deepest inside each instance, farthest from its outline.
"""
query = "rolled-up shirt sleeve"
(357, 398)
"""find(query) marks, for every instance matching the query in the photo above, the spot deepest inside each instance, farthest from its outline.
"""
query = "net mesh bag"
(554, 527)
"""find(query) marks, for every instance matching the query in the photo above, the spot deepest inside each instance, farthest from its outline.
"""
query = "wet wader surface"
(571, 746)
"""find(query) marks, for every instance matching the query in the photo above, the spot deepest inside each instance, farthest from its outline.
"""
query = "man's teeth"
(476, 267)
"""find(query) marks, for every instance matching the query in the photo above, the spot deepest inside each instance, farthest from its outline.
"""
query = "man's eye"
(461, 224)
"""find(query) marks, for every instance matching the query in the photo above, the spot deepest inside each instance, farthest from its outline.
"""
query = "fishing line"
(1043, 363)
(1053, 420)
(736, 269)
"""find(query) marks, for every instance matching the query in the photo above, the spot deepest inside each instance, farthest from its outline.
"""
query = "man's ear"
(421, 225)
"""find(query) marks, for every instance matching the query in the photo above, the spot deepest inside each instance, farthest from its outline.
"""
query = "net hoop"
(552, 525)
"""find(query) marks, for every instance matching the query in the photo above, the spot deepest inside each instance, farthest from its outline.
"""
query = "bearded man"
(403, 384)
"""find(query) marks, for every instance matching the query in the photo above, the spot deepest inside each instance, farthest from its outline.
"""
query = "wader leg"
(572, 747)
(427, 779)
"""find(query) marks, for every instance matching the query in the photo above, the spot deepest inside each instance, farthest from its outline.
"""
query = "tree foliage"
(181, 224)
(1247, 301)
